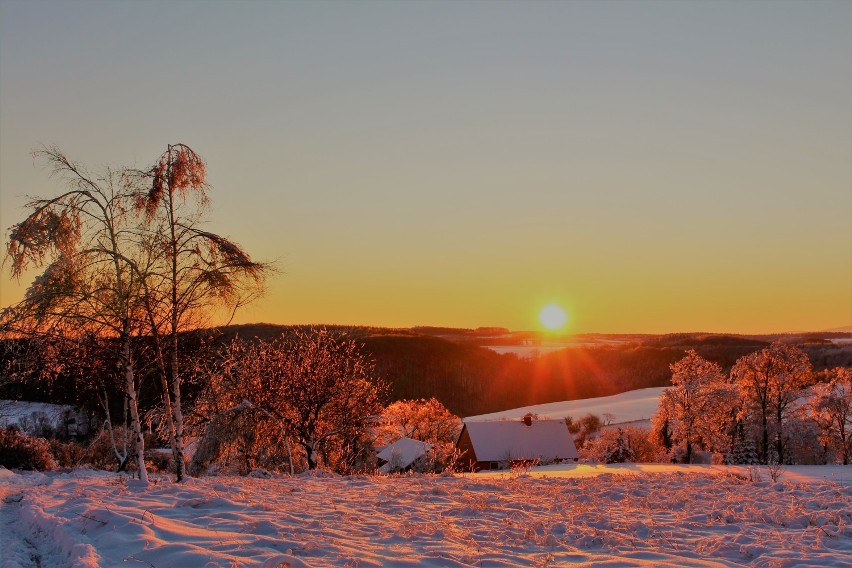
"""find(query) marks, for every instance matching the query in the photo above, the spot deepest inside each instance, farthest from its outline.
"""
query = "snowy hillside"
(682, 516)
(25, 415)
(631, 406)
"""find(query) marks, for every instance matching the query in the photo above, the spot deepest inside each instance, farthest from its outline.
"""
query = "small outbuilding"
(401, 455)
(502, 443)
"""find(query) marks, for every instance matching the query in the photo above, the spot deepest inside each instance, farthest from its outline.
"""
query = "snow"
(536, 349)
(528, 351)
(402, 453)
(807, 474)
(625, 515)
(505, 440)
(12, 412)
(632, 406)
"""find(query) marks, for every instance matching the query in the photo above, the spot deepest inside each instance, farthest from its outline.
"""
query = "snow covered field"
(16, 412)
(528, 351)
(627, 515)
(631, 406)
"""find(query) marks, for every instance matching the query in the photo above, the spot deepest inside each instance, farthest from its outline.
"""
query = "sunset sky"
(647, 166)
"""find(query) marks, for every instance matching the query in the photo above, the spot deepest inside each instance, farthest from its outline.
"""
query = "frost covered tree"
(197, 273)
(425, 420)
(88, 242)
(584, 429)
(88, 362)
(661, 428)
(722, 419)
(770, 382)
(627, 443)
(689, 403)
(745, 452)
(831, 408)
(317, 387)
(620, 451)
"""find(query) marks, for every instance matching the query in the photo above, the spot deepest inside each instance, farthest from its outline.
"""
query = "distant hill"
(454, 365)
(460, 370)
(844, 329)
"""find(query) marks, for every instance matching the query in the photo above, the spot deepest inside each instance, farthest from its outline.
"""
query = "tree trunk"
(120, 456)
(733, 441)
(135, 424)
(167, 399)
(177, 412)
(764, 442)
(177, 418)
(311, 456)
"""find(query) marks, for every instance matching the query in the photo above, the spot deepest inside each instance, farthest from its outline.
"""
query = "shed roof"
(503, 439)
(402, 453)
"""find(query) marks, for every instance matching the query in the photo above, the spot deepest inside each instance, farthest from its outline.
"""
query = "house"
(496, 444)
(400, 455)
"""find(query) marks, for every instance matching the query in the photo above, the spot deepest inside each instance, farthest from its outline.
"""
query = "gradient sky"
(649, 166)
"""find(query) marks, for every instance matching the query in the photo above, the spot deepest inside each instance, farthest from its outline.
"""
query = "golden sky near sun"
(647, 166)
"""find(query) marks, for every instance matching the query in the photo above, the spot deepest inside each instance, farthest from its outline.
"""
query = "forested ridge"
(468, 378)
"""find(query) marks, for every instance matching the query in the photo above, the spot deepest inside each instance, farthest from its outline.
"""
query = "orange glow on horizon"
(645, 187)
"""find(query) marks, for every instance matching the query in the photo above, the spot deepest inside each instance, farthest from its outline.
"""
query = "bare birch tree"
(197, 273)
(87, 241)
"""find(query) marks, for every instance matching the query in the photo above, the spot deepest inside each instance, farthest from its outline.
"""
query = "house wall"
(467, 461)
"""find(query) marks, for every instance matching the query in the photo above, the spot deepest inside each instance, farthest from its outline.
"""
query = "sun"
(552, 317)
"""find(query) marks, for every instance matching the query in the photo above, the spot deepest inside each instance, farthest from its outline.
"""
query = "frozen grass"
(615, 517)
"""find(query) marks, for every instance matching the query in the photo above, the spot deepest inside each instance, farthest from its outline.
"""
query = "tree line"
(468, 379)
(771, 408)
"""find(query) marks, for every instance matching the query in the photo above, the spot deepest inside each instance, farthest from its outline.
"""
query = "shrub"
(100, 453)
(158, 461)
(19, 451)
(619, 451)
(628, 443)
(67, 454)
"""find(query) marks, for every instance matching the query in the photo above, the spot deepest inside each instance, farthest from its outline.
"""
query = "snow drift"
(682, 516)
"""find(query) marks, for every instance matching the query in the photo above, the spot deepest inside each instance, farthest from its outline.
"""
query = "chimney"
(528, 419)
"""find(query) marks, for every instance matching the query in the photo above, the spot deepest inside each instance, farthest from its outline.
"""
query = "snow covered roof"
(402, 453)
(503, 439)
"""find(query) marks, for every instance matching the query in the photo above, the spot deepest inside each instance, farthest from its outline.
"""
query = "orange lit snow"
(627, 515)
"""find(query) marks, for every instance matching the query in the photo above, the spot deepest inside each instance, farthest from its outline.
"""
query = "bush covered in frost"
(627, 443)
(19, 451)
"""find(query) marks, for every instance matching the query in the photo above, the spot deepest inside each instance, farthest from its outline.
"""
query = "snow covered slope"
(684, 517)
(631, 406)
(21, 412)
